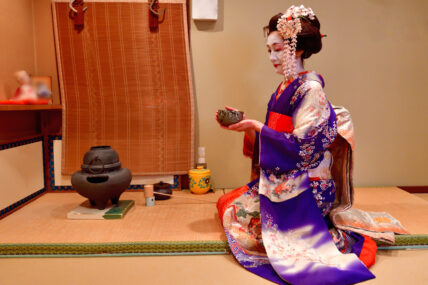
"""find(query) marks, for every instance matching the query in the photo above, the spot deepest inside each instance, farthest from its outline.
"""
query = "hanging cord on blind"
(74, 9)
(156, 15)
(154, 10)
(76, 13)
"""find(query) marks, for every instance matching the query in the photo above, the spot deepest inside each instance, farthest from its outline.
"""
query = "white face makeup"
(275, 46)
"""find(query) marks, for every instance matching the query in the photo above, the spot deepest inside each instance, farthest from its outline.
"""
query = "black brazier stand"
(102, 178)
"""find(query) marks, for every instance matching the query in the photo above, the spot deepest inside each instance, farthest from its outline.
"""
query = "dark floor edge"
(21, 203)
(414, 189)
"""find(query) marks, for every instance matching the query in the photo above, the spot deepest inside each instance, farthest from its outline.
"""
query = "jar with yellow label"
(199, 180)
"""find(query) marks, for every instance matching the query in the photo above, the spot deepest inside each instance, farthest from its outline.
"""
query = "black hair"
(308, 39)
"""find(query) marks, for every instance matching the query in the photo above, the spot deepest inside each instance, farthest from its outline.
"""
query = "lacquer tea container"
(199, 180)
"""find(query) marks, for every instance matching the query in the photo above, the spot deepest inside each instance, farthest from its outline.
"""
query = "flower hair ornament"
(289, 26)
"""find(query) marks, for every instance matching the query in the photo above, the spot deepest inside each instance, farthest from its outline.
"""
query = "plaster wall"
(44, 45)
(17, 43)
(374, 61)
(21, 172)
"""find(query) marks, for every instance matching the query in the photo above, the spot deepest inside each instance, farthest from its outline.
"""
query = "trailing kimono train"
(289, 224)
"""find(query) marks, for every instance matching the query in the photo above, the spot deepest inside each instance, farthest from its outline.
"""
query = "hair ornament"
(289, 26)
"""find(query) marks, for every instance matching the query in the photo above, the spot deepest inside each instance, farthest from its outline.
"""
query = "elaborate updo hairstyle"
(308, 40)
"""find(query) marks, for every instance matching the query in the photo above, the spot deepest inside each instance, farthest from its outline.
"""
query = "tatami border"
(157, 248)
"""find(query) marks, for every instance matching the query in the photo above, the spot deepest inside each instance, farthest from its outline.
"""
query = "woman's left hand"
(246, 126)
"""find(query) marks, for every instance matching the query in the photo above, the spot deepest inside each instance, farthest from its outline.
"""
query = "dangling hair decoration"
(289, 26)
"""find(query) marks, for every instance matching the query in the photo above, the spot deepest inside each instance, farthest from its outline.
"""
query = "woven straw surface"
(177, 219)
(409, 209)
(125, 86)
(174, 226)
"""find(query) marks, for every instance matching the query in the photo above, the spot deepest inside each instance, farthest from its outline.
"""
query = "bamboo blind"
(127, 87)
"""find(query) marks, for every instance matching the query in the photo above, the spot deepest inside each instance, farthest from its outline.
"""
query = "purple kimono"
(277, 226)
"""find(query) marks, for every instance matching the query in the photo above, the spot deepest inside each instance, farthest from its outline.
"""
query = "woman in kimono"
(278, 225)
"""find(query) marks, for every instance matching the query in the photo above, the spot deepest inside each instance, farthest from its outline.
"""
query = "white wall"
(374, 61)
(21, 172)
(17, 43)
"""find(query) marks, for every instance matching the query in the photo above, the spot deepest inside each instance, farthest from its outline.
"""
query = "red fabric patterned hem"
(225, 200)
(280, 122)
(248, 147)
(368, 251)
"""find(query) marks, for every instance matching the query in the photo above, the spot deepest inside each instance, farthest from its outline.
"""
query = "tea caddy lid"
(199, 170)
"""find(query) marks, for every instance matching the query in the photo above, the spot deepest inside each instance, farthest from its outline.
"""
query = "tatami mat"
(177, 219)
(410, 210)
(422, 196)
(391, 267)
(174, 220)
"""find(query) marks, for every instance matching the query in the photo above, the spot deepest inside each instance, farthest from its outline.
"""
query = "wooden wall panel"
(19, 125)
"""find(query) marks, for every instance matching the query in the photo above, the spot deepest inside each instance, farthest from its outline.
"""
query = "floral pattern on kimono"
(297, 154)
(276, 227)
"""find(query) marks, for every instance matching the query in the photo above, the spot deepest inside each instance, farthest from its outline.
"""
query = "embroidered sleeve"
(248, 146)
(313, 112)
(314, 130)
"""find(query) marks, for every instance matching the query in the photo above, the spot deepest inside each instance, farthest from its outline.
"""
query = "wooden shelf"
(29, 107)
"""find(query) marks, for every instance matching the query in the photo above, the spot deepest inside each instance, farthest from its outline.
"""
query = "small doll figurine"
(25, 91)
